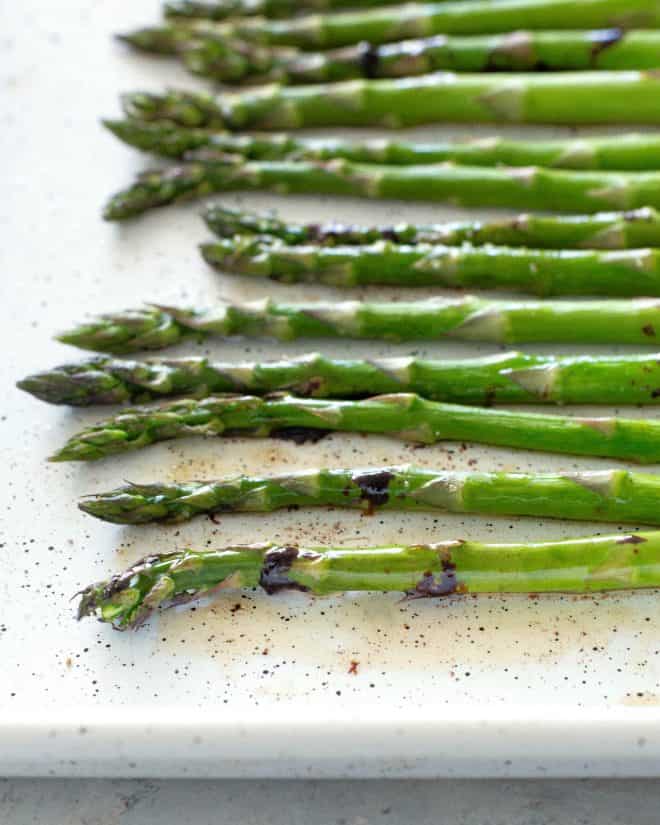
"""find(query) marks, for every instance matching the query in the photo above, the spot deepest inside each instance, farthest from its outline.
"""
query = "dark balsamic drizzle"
(374, 487)
(369, 58)
(434, 586)
(300, 435)
(275, 570)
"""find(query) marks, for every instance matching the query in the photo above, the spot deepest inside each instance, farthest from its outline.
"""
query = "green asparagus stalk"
(467, 318)
(584, 565)
(191, 10)
(542, 272)
(462, 17)
(609, 495)
(631, 152)
(405, 416)
(225, 9)
(607, 230)
(507, 378)
(602, 49)
(517, 188)
(570, 98)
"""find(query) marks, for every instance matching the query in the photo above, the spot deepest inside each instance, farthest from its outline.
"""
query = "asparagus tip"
(69, 336)
(93, 506)
(29, 384)
(57, 457)
(45, 387)
(136, 104)
(213, 254)
(111, 212)
(113, 125)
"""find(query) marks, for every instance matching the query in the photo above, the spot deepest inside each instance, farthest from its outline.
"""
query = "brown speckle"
(649, 330)
(632, 539)
(353, 668)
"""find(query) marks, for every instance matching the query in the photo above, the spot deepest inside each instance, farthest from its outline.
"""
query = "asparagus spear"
(405, 416)
(632, 152)
(584, 565)
(460, 18)
(381, 25)
(222, 9)
(516, 188)
(467, 318)
(609, 495)
(235, 61)
(607, 230)
(225, 9)
(507, 378)
(570, 98)
(542, 272)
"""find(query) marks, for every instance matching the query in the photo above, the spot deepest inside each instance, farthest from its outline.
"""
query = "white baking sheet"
(489, 686)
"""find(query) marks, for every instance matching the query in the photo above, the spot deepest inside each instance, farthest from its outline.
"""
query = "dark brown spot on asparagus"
(389, 233)
(275, 570)
(369, 59)
(374, 486)
(632, 539)
(310, 387)
(649, 330)
(655, 393)
(445, 584)
(603, 39)
(300, 435)
(489, 396)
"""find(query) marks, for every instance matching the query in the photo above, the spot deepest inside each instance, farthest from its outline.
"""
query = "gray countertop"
(414, 802)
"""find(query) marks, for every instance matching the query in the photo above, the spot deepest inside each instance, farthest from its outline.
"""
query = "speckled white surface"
(475, 687)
